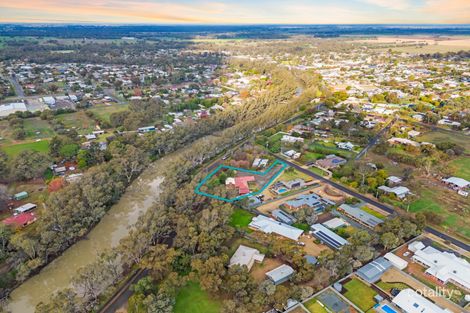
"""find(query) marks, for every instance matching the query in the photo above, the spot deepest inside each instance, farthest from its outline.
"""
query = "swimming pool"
(388, 309)
(282, 190)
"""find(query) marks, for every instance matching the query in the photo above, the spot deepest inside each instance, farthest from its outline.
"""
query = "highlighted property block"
(265, 178)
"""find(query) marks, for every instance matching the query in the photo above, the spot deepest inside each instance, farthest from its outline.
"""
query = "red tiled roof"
(242, 184)
(20, 220)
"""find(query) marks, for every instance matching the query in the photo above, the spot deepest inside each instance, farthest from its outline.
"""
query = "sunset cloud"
(233, 12)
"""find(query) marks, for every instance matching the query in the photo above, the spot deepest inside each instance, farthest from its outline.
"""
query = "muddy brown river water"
(115, 225)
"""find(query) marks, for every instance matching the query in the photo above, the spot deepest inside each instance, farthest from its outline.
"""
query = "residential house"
(291, 139)
(457, 183)
(268, 225)
(360, 216)
(284, 217)
(403, 141)
(345, 145)
(20, 220)
(400, 191)
(246, 256)
(331, 161)
(410, 301)
(445, 266)
(327, 237)
(309, 201)
(241, 183)
(292, 154)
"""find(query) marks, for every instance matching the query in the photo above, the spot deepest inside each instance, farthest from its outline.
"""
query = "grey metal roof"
(361, 215)
(371, 272)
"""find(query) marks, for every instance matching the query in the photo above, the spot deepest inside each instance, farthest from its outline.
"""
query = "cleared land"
(78, 121)
(103, 112)
(192, 298)
(420, 44)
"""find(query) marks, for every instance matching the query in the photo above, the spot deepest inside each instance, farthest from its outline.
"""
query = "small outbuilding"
(371, 272)
(396, 261)
(280, 274)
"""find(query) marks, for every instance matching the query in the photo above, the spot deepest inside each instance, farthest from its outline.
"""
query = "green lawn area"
(191, 298)
(240, 218)
(388, 286)
(318, 171)
(360, 294)
(303, 226)
(461, 167)
(372, 212)
(103, 112)
(40, 146)
(315, 307)
(308, 156)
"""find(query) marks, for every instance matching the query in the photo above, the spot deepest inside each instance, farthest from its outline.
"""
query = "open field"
(192, 298)
(438, 136)
(421, 44)
(360, 294)
(37, 128)
(461, 167)
(103, 112)
(78, 121)
(447, 204)
(13, 150)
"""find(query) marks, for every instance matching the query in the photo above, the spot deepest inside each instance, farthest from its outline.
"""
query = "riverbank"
(114, 226)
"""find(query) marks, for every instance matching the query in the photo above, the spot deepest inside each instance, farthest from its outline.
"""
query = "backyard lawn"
(191, 298)
(388, 286)
(360, 294)
(315, 307)
(40, 146)
(240, 218)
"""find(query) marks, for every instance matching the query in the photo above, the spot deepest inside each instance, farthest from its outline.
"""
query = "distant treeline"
(224, 31)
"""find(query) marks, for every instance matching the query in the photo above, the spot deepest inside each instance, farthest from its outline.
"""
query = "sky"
(236, 11)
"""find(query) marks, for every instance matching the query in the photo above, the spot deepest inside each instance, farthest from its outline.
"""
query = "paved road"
(373, 202)
(18, 89)
(375, 139)
(120, 298)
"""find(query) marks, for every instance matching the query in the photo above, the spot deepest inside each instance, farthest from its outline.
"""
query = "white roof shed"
(396, 261)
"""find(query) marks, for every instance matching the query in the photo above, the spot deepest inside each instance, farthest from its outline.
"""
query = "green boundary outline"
(221, 166)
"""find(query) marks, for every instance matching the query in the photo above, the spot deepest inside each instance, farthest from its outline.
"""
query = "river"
(115, 225)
